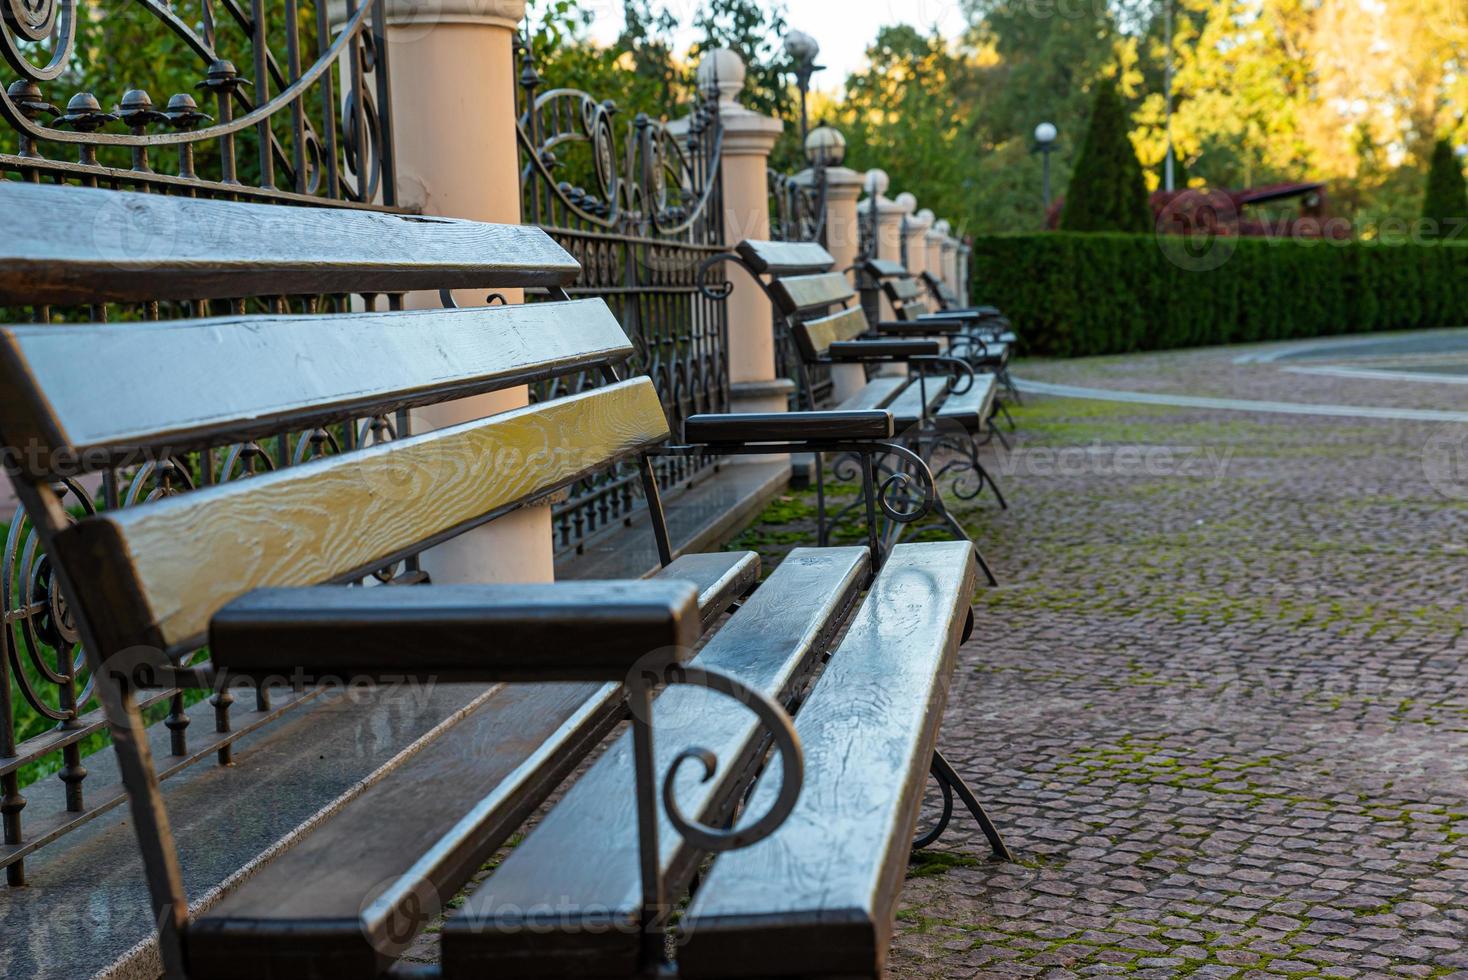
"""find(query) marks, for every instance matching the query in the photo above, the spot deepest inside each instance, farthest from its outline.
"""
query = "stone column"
(453, 93)
(949, 252)
(934, 241)
(964, 251)
(748, 139)
(915, 230)
(843, 241)
(889, 227)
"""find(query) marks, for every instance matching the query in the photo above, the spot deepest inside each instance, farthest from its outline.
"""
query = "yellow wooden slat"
(820, 334)
(186, 556)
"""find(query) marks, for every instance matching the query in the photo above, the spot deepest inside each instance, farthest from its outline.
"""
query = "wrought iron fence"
(270, 103)
(639, 203)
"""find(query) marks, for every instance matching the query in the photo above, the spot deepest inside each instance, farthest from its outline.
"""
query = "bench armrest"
(742, 429)
(880, 350)
(565, 631)
(920, 327)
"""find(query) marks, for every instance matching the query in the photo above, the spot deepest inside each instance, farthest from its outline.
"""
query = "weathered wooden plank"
(818, 896)
(801, 294)
(598, 630)
(348, 899)
(241, 378)
(885, 268)
(814, 337)
(163, 569)
(908, 408)
(78, 245)
(563, 904)
(902, 289)
(972, 408)
(785, 258)
(877, 393)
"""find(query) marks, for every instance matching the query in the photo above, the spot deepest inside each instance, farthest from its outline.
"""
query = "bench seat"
(566, 900)
(817, 897)
(310, 913)
(878, 393)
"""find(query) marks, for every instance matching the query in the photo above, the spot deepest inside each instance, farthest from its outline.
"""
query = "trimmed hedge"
(1072, 295)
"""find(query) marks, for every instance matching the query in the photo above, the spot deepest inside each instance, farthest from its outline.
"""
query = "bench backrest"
(939, 289)
(155, 573)
(813, 299)
(905, 293)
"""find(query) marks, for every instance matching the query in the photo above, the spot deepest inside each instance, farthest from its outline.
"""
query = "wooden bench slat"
(907, 408)
(885, 268)
(801, 294)
(176, 561)
(817, 897)
(785, 258)
(878, 393)
(251, 376)
(903, 288)
(579, 867)
(311, 911)
(971, 409)
(68, 245)
(816, 336)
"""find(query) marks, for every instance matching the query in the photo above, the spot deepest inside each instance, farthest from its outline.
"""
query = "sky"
(844, 28)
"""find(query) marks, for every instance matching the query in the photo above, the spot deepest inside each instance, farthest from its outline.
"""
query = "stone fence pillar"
(843, 230)
(453, 93)
(915, 231)
(949, 251)
(888, 244)
(748, 139)
(934, 241)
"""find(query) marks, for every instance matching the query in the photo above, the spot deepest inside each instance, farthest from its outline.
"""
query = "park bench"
(981, 335)
(937, 402)
(266, 570)
(948, 304)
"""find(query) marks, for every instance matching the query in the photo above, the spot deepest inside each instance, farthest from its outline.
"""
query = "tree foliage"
(1445, 205)
(1107, 192)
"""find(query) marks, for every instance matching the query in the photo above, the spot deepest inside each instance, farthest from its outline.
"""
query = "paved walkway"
(1218, 705)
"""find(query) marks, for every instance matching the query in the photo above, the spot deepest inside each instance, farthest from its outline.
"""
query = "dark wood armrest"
(920, 327)
(880, 350)
(716, 430)
(484, 633)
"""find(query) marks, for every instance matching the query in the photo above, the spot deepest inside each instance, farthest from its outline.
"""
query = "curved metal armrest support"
(787, 743)
(962, 372)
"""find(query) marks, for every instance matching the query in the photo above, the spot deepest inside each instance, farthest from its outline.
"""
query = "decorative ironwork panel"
(639, 203)
(259, 101)
(266, 101)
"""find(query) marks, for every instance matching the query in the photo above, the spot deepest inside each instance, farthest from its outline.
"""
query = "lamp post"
(1170, 169)
(803, 50)
(1045, 135)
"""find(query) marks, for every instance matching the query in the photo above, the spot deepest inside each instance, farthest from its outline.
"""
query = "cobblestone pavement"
(1218, 704)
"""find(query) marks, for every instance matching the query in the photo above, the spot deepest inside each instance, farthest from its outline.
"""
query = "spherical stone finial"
(825, 147)
(907, 201)
(926, 216)
(943, 227)
(877, 182)
(722, 70)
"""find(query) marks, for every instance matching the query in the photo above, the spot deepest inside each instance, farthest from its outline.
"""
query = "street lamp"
(1045, 135)
(825, 147)
(803, 49)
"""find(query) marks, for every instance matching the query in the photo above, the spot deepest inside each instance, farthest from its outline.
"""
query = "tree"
(1445, 205)
(1107, 191)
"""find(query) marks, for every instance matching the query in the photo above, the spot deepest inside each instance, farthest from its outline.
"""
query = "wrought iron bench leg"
(1004, 410)
(957, 528)
(950, 782)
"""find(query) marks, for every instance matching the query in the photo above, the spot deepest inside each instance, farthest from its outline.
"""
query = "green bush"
(1073, 295)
